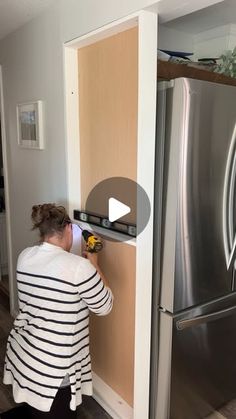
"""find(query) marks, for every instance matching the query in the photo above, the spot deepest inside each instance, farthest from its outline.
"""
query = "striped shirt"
(50, 335)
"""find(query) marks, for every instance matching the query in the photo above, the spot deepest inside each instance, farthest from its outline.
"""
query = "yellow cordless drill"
(93, 243)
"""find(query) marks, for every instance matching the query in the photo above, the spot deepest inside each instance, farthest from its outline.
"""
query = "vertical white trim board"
(147, 82)
(72, 127)
(13, 308)
(147, 71)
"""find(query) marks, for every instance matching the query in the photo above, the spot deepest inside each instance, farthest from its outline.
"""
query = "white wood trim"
(110, 400)
(72, 128)
(145, 177)
(13, 308)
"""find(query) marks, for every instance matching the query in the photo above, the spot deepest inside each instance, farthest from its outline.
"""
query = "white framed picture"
(30, 125)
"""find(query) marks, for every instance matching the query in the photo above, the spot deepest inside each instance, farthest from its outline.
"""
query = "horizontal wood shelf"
(167, 70)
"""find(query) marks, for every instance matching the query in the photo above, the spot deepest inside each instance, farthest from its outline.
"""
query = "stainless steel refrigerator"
(194, 300)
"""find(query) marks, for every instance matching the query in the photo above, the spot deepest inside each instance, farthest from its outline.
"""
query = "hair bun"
(41, 213)
(36, 215)
(50, 219)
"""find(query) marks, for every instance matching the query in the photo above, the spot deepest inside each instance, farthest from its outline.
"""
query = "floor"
(89, 409)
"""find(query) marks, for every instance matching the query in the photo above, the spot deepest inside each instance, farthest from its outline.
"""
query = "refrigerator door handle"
(184, 324)
(229, 236)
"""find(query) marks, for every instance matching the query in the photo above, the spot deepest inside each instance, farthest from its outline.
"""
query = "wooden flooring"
(89, 409)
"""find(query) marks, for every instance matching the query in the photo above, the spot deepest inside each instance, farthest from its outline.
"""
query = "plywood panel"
(108, 109)
(108, 146)
(112, 336)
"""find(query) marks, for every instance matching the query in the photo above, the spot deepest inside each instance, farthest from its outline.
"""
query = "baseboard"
(114, 405)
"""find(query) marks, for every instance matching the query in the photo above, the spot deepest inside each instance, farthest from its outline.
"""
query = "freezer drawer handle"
(184, 324)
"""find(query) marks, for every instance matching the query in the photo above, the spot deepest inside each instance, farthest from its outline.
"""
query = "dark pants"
(60, 409)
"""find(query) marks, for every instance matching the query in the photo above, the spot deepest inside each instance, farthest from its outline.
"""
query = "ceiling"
(220, 14)
(15, 13)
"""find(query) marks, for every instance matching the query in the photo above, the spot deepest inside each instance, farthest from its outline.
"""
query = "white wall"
(214, 42)
(174, 40)
(209, 43)
(79, 17)
(32, 63)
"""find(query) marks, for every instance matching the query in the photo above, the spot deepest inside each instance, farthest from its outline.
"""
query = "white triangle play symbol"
(116, 209)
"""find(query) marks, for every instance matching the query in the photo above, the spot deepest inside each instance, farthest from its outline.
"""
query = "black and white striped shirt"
(50, 336)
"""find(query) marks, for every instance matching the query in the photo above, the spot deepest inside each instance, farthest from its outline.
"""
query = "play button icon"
(116, 209)
(119, 206)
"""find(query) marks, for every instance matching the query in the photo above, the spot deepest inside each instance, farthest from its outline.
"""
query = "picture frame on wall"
(30, 125)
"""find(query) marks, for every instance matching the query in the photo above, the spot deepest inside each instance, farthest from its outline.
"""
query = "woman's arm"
(93, 258)
(95, 290)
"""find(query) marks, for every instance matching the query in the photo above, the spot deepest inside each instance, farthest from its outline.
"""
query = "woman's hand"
(92, 257)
